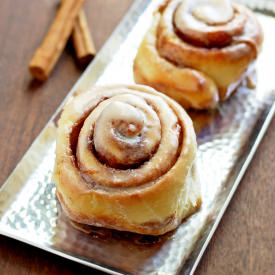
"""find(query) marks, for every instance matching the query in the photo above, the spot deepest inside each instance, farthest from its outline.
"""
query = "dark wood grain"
(244, 241)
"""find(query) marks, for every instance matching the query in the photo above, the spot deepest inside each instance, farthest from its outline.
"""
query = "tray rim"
(61, 254)
(243, 168)
(115, 40)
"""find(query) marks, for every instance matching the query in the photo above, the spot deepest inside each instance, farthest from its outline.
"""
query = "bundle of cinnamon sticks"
(70, 20)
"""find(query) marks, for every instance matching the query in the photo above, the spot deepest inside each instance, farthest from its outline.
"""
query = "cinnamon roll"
(125, 160)
(198, 51)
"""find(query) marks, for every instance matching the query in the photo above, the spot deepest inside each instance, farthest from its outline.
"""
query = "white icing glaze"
(212, 11)
(125, 134)
(159, 137)
(208, 23)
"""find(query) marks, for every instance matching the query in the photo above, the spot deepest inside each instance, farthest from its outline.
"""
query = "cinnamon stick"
(82, 39)
(53, 44)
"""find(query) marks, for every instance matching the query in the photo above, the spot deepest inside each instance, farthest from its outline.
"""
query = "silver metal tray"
(227, 140)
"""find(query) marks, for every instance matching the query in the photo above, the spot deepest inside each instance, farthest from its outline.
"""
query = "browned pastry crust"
(196, 61)
(125, 159)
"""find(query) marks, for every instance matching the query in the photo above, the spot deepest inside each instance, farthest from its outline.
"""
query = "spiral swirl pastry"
(125, 159)
(198, 51)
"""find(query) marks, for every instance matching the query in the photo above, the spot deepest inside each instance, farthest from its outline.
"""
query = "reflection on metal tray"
(227, 140)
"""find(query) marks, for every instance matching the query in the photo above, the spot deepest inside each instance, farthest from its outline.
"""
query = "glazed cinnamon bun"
(198, 51)
(125, 160)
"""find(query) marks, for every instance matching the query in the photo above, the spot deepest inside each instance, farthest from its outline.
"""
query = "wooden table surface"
(244, 241)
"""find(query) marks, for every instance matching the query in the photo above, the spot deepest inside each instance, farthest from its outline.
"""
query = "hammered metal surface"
(227, 139)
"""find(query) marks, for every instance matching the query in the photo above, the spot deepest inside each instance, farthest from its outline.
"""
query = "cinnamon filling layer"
(207, 23)
(124, 137)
